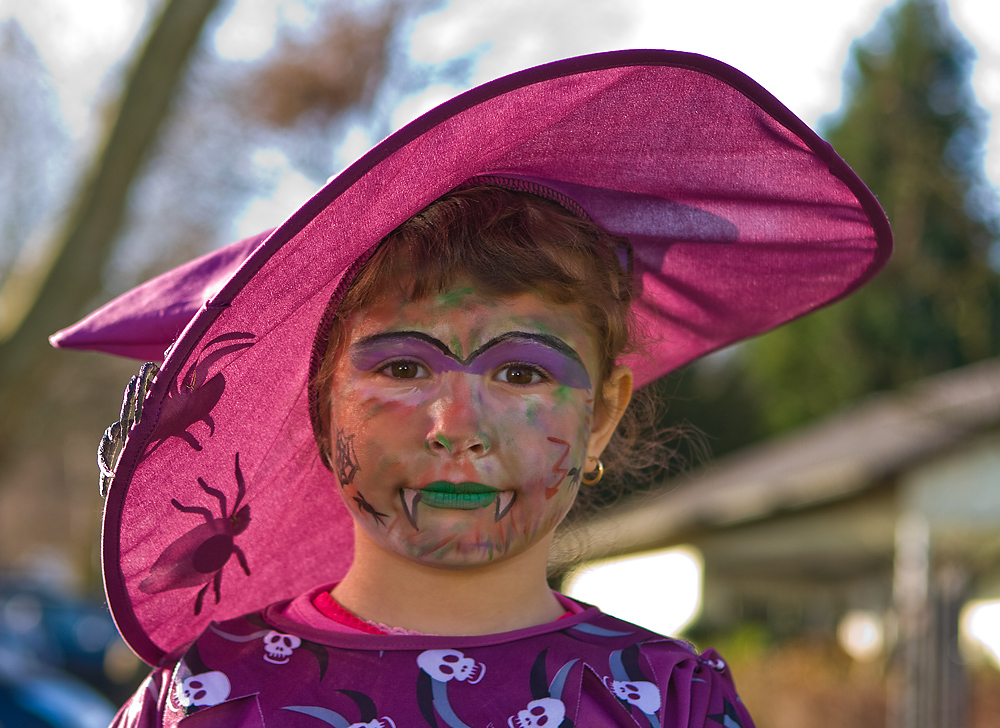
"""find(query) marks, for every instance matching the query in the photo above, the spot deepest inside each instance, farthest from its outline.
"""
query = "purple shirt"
(587, 669)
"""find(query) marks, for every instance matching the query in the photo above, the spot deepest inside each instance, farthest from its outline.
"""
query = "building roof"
(852, 451)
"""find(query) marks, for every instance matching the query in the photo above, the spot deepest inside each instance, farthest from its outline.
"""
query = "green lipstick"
(461, 496)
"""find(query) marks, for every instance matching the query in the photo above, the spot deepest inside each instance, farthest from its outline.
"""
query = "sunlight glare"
(660, 591)
(860, 633)
(981, 621)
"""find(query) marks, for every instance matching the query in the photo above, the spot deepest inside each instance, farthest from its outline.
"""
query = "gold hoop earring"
(595, 475)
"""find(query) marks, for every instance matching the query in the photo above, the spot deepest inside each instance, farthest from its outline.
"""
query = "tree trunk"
(84, 243)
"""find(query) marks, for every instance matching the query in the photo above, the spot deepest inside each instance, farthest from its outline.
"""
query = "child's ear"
(616, 394)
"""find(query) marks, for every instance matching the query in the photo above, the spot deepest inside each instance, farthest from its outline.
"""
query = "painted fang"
(504, 503)
(460, 496)
(410, 498)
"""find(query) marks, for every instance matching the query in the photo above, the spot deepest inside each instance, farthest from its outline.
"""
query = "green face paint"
(456, 346)
(562, 394)
(450, 299)
(531, 410)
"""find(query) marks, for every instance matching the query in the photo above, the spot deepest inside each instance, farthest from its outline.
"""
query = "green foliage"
(913, 131)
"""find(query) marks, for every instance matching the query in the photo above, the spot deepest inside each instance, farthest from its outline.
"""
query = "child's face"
(461, 423)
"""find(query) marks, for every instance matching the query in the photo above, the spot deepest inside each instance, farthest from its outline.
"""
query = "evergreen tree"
(912, 129)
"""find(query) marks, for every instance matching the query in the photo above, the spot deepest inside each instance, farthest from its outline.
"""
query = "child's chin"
(458, 553)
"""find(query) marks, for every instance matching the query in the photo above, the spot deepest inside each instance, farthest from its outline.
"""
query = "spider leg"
(201, 511)
(200, 599)
(222, 351)
(242, 558)
(231, 336)
(219, 495)
(152, 448)
(241, 485)
(217, 585)
(189, 439)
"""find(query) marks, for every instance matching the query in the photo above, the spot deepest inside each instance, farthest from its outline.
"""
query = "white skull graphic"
(445, 665)
(541, 713)
(209, 688)
(384, 722)
(643, 695)
(278, 647)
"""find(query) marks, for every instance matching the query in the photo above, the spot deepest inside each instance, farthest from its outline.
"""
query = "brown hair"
(507, 242)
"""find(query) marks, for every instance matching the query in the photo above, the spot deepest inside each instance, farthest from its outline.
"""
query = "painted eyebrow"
(548, 340)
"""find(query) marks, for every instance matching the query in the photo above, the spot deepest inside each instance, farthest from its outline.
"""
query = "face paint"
(366, 507)
(345, 460)
(463, 496)
(462, 459)
(453, 298)
(558, 469)
(547, 353)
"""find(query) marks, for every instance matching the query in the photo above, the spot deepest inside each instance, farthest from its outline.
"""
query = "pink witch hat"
(739, 217)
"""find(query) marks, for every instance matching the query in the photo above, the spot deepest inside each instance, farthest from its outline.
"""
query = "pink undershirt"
(319, 610)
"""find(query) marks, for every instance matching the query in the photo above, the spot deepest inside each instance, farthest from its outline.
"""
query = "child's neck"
(385, 588)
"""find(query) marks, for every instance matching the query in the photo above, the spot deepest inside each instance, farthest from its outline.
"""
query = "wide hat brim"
(739, 216)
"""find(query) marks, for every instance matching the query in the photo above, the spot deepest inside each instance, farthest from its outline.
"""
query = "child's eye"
(404, 369)
(521, 374)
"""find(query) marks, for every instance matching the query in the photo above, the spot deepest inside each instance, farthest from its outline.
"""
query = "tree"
(176, 166)
(175, 169)
(49, 296)
(912, 129)
(914, 132)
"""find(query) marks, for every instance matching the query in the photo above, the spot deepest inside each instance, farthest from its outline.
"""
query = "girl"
(334, 501)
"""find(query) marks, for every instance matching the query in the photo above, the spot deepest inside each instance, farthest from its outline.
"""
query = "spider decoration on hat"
(198, 557)
(191, 402)
(195, 395)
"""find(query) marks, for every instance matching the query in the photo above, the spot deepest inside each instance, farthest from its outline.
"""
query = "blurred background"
(841, 546)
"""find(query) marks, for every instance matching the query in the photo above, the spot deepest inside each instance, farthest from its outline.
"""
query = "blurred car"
(62, 663)
(37, 696)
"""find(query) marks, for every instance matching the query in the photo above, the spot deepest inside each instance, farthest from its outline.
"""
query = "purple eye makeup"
(528, 351)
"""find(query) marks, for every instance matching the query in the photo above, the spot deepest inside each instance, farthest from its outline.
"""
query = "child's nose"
(456, 418)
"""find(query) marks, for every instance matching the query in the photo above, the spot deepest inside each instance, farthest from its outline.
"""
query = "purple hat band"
(738, 216)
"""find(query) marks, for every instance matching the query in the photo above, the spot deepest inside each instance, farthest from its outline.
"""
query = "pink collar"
(330, 608)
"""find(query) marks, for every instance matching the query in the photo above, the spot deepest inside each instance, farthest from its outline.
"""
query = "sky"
(797, 50)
